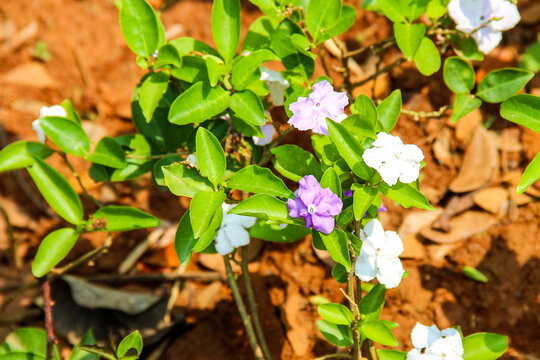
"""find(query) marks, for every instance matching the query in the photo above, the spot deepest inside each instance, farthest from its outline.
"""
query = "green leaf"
(265, 207)
(109, 153)
(523, 109)
(21, 154)
(365, 108)
(187, 45)
(294, 163)
(132, 341)
(70, 111)
(389, 110)
(501, 84)
(140, 26)
(67, 135)
(391, 354)
(152, 90)
(210, 156)
(259, 34)
(248, 107)
(531, 58)
(226, 27)
(406, 195)
(392, 10)
(466, 47)
(530, 176)
(283, 47)
(339, 273)
(324, 149)
(26, 343)
(362, 199)
(53, 249)
(436, 9)
(268, 7)
(336, 313)
(458, 75)
(184, 181)
(168, 55)
(484, 346)
(247, 70)
(258, 180)
(184, 241)
(412, 9)
(202, 208)
(198, 103)
(474, 274)
(321, 15)
(215, 68)
(330, 179)
(408, 37)
(346, 20)
(349, 148)
(427, 59)
(121, 218)
(360, 126)
(80, 354)
(372, 303)
(210, 234)
(271, 231)
(337, 245)
(376, 331)
(464, 104)
(339, 335)
(57, 191)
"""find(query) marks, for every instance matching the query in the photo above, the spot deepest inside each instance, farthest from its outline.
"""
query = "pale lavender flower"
(316, 205)
(310, 113)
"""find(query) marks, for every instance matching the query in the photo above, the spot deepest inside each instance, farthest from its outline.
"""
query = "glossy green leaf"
(294, 162)
(391, 354)
(392, 10)
(360, 126)
(408, 37)
(484, 346)
(466, 47)
(339, 335)
(324, 149)
(530, 176)
(272, 231)
(141, 27)
(427, 59)
(132, 341)
(259, 35)
(53, 249)
(290, 56)
(321, 15)
(436, 8)
(109, 153)
(501, 84)
(531, 58)
(210, 156)
(187, 45)
(152, 90)
(226, 27)
(364, 107)
(57, 191)
(80, 354)
(268, 7)
(372, 303)
(258, 180)
(389, 110)
(464, 104)
(362, 199)
(412, 9)
(330, 179)
(157, 171)
(71, 111)
(202, 208)
(474, 274)
(523, 109)
(458, 75)
(67, 135)
(168, 55)
(198, 103)
(265, 207)
(336, 313)
(247, 70)
(184, 240)
(215, 68)
(339, 273)
(349, 148)
(337, 245)
(21, 154)
(406, 195)
(26, 343)
(346, 20)
(377, 332)
(121, 218)
(248, 107)
(184, 181)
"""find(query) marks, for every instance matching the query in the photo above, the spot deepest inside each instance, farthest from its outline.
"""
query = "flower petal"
(365, 268)
(223, 245)
(423, 336)
(237, 235)
(390, 271)
(324, 224)
(393, 245)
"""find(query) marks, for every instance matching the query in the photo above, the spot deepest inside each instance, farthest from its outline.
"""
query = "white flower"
(431, 344)
(192, 159)
(379, 255)
(393, 160)
(268, 133)
(55, 110)
(232, 233)
(496, 15)
(276, 85)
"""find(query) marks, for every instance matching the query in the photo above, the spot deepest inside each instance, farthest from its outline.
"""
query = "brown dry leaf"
(509, 140)
(416, 220)
(298, 322)
(207, 298)
(441, 147)
(437, 252)
(493, 199)
(467, 125)
(479, 163)
(456, 205)
(461, 227)
(324, 256)
(31, 74)
(413, 248)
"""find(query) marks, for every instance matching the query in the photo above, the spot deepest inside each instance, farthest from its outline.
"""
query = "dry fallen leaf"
(461, 227)
(479, 163)
(493, 199)
(467, 125)
(441, 147)
(31, 74)
(438, 252)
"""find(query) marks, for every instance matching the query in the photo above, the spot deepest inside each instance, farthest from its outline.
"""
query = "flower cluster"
(393, 160)
(379, 255)
(232, 233)
(432, 344)
(484, 20)
(55, 110)
(310, 113)
(316, 205)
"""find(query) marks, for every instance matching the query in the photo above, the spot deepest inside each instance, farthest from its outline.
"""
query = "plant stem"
(85, 193)
(242, 310)
(159, 156)
(253, 304)
(421, 114)
(334, 356)
(353, 303)
(47, 307)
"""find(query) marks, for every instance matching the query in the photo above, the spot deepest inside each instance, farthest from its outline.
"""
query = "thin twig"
(373, 47)
(384, 70)
(253, 304)
(416, 115)
(47, 308)
(89, 256)
(334, 356)
(175, 290)
(195, 275)
(242, 310)
(74, 173)
(158, 156)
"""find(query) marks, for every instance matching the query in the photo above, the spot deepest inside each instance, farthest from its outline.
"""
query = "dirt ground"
(480, 222)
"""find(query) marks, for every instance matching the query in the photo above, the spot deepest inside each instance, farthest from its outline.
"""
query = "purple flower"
(347, 193)
(316, 205)
(310, 113)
